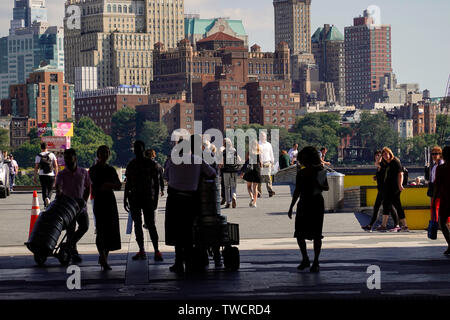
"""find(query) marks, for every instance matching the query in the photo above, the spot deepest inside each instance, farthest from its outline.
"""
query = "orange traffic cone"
(35, 211)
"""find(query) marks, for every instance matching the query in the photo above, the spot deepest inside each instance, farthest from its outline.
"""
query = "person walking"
(430, 176)
(252, 174)
(268, 162)
(47, 167)
(392, 189)
(311, 182)
(141, 198)
(74, 182)
(13, 171)
(379, 177)
(293, 153)
(442, 191)
(105, 181)
(182, 204)
(230, 169)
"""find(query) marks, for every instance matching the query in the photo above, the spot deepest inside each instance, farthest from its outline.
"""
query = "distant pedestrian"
(293, 153)
(141, 198)
(230, 169)
(442, 191)
(379, 177)
(285, 161)
(74, 182)
(252, 172)
(268, 162)
(47, 167)
(392, 189)
(311, 182)
(105, 181)
(13, 171)
(323, 152)
(182, 204)
(430, 169)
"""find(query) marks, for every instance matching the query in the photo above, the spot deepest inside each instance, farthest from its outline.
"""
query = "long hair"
(309, 157)
(389, 152)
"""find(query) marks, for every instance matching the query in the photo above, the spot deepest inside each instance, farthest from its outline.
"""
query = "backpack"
(405, 177)
(46, 164)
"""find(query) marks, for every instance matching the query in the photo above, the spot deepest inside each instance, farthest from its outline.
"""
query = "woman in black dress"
(104, 181)
(311, 182)
(253, 174)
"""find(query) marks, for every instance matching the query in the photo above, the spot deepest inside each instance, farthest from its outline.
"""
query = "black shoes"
(177, 268)
(141, 255)
(305, 264)
(76, 258)
(315, 268)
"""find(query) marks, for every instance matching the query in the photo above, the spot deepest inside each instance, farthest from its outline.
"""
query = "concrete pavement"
(410, 265)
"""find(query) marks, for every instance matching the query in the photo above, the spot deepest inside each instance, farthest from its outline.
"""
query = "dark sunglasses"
(436, 154)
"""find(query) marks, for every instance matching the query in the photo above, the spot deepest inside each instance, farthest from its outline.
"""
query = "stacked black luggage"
(211, 229)
(48, 228)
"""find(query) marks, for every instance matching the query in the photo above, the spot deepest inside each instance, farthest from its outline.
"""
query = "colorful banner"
(56, 143)
(57, 129)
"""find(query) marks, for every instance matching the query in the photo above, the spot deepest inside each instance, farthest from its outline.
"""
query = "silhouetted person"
(311, 182)
(141, 193)
(46, 165)
(442, 191)
(75, 183)
(183, 204)
(105, 181)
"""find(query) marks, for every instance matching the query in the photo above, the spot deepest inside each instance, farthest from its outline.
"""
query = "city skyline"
(414, 60)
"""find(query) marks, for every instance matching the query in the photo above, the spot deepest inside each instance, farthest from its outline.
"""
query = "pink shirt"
(73, 184)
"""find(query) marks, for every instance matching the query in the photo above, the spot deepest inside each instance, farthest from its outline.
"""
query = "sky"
(421, 49)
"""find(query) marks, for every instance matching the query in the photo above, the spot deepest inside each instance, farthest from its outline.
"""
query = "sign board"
(57, 129)
(56, 143)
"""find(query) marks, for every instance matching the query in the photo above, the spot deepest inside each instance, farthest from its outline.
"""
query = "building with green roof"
(197, 29)
(329, 52)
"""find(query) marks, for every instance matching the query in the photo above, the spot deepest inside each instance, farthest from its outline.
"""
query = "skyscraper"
(329, 53)
(293, 24)
(118, 37)
(368, 58)
(26, 12)
(31, 41)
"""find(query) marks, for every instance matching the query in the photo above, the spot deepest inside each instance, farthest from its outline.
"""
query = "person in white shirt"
(13, 170)
(293, 152)
(268, 161)
(47, 166)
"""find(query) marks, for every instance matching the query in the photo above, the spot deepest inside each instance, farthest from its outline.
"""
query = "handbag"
(433, 225)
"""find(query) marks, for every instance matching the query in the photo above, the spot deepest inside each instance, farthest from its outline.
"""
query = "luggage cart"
(212, 232)
(43, 241)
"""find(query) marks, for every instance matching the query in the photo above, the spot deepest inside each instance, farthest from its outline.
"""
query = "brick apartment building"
(230, 85)
(101, 104)
(175, 114)
(422, 115)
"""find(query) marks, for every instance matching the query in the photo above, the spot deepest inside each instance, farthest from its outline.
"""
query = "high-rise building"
(31, 42)
(27, 12)
(368, 58)
(117, 37)
(329, 53)
(44, 97)
(293, 24)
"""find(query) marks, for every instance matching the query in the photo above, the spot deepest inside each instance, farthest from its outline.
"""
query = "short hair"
(437, 149)
(70, 152)
(150, 153)
(446, 154)
(103, 149)
(43, 145)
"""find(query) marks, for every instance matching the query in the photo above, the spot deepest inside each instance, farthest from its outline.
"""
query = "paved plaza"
(410, 265)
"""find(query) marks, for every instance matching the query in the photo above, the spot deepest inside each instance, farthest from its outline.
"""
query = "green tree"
(320, 130)
(155, 136)
(375, 132)
(442, 128)
(4, 139)
(86, 140)
(25, 155)
(123, 134)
